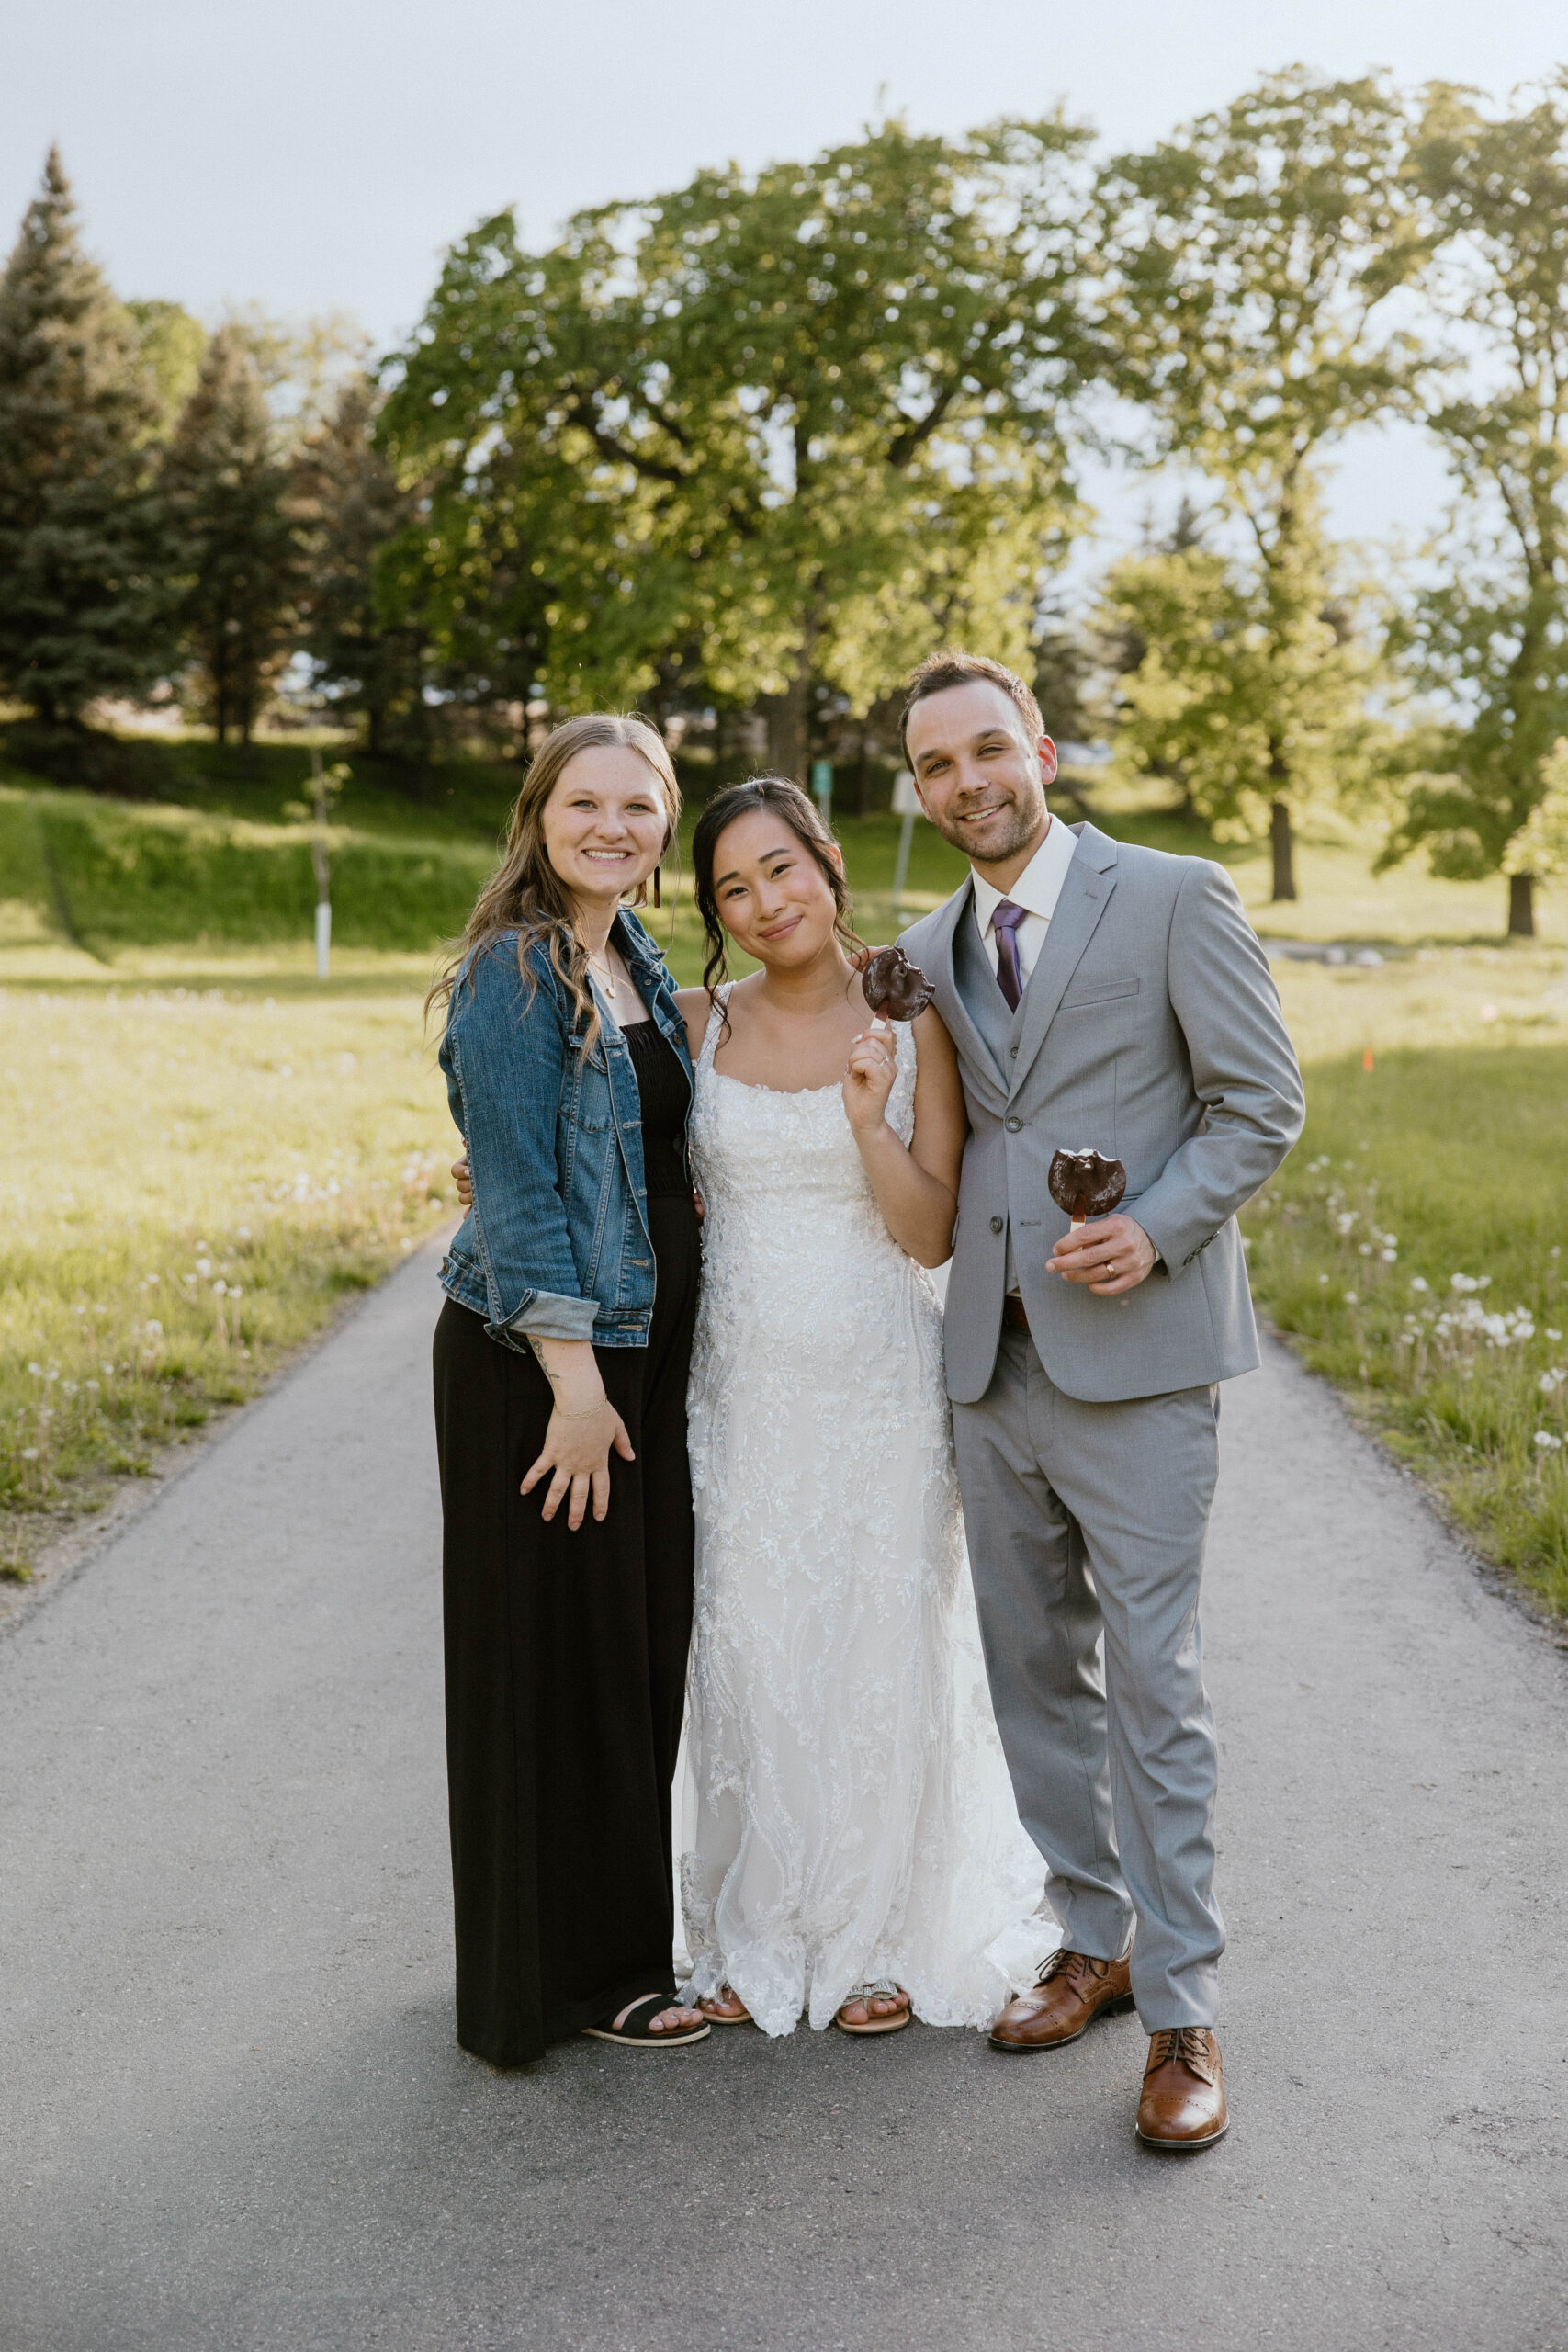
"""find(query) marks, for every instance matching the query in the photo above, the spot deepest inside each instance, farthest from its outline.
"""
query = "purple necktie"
(1004, 923)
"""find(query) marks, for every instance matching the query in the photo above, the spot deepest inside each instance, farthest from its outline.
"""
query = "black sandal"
(633, 2035)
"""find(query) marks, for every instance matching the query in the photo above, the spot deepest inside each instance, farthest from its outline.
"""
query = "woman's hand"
(576, 1456)
(868, 1079)
(582, 1429)
(463, 1178)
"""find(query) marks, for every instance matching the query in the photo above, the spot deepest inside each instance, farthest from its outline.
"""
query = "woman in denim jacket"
(561, 1359)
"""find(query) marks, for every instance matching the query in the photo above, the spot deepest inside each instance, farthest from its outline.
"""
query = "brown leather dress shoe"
(1071, 1990)
(1183, 2104)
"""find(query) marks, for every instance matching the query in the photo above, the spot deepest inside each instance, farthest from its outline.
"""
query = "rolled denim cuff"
(551, 1315)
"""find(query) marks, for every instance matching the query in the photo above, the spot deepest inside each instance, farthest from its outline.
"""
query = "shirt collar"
(1039, 886)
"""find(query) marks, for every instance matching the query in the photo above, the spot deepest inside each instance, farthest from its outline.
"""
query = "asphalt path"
(235, 2113)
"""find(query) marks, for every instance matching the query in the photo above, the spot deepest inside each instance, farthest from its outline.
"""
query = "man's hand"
(1108, 1255)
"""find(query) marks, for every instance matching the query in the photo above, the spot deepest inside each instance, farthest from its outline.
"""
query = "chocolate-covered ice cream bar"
(896, 987)
(1085, 1185)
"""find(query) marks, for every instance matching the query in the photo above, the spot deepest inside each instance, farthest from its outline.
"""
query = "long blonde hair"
(526, 894)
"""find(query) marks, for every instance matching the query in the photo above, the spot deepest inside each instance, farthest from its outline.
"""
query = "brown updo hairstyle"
(787, 801)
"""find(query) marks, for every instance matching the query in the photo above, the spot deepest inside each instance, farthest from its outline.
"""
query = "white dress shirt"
(1037, 889)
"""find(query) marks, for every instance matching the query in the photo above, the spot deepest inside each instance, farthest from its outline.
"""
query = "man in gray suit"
(1112, 999)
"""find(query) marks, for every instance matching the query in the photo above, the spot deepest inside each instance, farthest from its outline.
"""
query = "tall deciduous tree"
(1493, 633)
(226, 495)
(1249, 263)
(1225, 669)
(808, 423)
(82, 608)
(172, 344)
(348, 505)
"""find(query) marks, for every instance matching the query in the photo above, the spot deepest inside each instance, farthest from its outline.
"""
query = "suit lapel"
(1086, 893)
(973, 1051)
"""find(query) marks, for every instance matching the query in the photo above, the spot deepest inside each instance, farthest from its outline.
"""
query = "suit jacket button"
(996, 1224)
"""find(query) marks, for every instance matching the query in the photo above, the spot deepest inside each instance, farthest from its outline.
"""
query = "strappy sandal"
(634, 2036)
(725, 1992)
(883, 1988)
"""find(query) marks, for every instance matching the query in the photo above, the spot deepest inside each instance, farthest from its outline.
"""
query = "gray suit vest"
(987, 1008)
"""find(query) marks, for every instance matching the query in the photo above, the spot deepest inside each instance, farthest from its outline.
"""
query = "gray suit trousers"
(1087, 1524)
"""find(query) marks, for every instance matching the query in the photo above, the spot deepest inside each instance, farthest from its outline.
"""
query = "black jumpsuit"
(566, 1654)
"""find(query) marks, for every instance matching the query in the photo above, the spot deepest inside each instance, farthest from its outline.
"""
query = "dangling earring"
(656, 897)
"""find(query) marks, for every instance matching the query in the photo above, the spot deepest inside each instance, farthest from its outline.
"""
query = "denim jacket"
(556, 1246)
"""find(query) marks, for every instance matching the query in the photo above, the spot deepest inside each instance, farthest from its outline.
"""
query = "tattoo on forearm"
(553, 1377)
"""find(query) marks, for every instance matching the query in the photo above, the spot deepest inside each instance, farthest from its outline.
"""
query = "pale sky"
(317, 155)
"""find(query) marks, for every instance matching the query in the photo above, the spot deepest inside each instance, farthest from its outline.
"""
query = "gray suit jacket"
(1150, 1032)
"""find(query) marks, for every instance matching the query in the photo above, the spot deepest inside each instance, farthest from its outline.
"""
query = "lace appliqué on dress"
(847, 1812)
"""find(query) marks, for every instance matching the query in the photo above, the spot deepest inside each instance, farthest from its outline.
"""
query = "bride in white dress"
(851, 1845)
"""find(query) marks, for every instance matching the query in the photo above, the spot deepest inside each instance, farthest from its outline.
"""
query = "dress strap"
(715, 1022)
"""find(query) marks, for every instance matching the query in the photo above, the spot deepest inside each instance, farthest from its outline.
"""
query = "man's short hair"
(940, 671)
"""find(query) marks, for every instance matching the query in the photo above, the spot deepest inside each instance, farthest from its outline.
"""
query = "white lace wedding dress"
(847, 1814)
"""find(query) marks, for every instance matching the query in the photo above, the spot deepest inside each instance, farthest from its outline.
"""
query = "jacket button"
(1013, 1125)
(996, 1224)
(1013, 1053)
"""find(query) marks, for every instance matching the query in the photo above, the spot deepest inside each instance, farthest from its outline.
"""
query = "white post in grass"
(320, 860)
(325, 785)
(907, 805)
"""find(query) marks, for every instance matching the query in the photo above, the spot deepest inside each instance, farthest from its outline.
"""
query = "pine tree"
(349, 505)
(226, 494)
(82, 609)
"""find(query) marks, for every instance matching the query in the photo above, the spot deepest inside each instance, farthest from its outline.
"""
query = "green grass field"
(192, 1182)
(205, 1150)
(1413, 1246)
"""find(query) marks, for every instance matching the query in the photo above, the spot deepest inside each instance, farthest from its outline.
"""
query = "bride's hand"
(868, 1079)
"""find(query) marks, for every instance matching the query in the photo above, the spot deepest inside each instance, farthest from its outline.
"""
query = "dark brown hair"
(940, 671)
(799, 813)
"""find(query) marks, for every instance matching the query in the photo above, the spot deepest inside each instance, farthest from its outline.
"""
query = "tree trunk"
(220, 667)
(789, 724)
(1282, 844)
(1521, 906)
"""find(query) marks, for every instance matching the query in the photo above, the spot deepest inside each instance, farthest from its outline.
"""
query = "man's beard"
(1026, 823)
